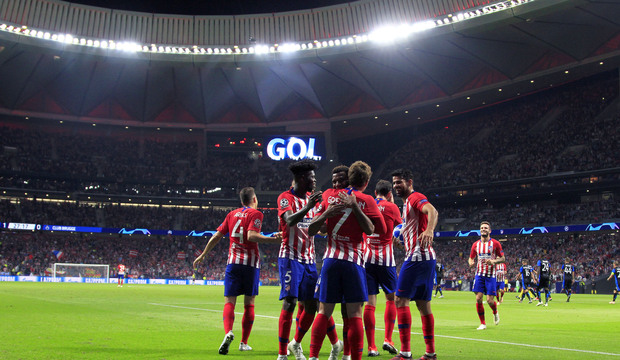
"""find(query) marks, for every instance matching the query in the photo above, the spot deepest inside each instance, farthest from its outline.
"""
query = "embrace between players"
(358, 259)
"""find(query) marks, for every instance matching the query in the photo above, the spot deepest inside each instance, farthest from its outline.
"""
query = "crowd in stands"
(32, 253)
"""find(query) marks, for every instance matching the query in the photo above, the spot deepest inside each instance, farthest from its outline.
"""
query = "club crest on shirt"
(283, 203)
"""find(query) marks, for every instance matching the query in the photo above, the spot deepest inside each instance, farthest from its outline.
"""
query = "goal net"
(95, 271)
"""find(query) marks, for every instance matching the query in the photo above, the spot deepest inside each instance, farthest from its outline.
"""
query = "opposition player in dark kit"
(568, 274)
(347, 217)
(439, 269)
(381, 270)
(615, 275)
(544, 279)
(489, 253)
(243, 264)
(415, 281)
(527, 277)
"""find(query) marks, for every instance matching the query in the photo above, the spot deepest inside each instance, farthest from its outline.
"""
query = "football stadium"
(390, 179)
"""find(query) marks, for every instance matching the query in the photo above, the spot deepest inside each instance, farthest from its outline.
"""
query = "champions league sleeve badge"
(283, 203)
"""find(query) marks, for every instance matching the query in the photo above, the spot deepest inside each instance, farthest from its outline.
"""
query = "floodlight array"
(388, 34)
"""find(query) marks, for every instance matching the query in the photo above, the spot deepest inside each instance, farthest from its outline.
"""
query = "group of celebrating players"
(359, 259)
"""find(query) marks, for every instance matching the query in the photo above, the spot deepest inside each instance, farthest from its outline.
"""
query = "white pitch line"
(442, 336)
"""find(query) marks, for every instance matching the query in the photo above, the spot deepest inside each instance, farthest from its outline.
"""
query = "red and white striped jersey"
(500, 272)
(238, 223)
(379, 247)
(414, 223)
(491, 249)
(345, 239)
(296, 244)
(121, 269)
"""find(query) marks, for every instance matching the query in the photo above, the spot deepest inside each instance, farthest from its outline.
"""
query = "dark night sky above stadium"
(210, 7)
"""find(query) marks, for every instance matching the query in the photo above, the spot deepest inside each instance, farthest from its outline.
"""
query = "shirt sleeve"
(499, 252)
(284, 204)
(255, 222)
(223, 228)
(472, 253)
(374, 214)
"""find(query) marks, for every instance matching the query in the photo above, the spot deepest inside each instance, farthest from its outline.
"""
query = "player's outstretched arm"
(210, 245)
(426, 238)
(255, 236)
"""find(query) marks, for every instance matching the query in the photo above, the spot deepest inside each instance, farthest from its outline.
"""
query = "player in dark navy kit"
(544, 278)
(615, 274)
(439, 269)
(526, 272)
(568, 273)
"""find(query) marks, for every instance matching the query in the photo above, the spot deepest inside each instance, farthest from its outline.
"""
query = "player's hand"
(197, 262)
(315, 198)
(334, 209)
(277, 235)
(489, 262)
(348, 200)
(426, 238)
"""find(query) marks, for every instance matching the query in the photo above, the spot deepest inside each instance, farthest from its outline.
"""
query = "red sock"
(428, 330)
(229, 316)
(493, 307)
(284, 330)
(480, 309)
(319, 329)
(332, 334)
(246, 323)
(369, 326)
(356, 338)
(404, 328)
(300, 310)
(345, 337)
(390, 318)
(303, 325)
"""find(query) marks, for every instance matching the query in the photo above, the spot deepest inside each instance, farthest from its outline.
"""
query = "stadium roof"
(436, 74)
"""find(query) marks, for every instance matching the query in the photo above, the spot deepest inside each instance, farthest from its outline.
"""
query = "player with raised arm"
(243, 265)
(568, 273)
(527, 277)
(544, 280)
(489, 253)
(297, 259)
(347, 215)
(439, 269)
(415, 281)
(121, 274)
(381, 270)
(500, 279)
(615, 274)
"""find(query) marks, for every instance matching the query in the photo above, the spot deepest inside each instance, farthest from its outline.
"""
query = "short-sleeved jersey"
(500, 272)
(345, 239)
(568, 271)
(616, 273)
(414, 224)
(439, 268)
(544, 269)
(238, 223)
(486, 250)
(526, 273)
(379, 246)
(121, 269)
(296, 244)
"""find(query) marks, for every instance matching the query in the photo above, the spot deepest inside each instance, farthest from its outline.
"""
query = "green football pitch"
(100, 321)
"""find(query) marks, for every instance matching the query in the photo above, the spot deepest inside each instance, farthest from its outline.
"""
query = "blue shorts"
(342, 281)
(296, 279)
(121, 276)
(485, 285)
(384, 276)
(416, 278)
(241, 280)
(499, 286)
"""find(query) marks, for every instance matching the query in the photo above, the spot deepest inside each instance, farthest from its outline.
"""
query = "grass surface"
(100, 321)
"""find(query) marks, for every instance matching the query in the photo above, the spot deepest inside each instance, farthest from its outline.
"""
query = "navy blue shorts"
(415, 281)
(241, 280)
(500, 285)
(342, 281)
(378, 275)
(296, 279)
(485, 285)
(121, 276)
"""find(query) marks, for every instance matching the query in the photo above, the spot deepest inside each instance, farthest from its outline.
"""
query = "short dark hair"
(404, 174)
(341, 168)
(359, 173)
(300, 167)
(485, 222)
(246, 195)
(383, 187)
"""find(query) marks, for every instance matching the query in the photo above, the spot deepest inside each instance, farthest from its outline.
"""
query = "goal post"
(96, 271)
